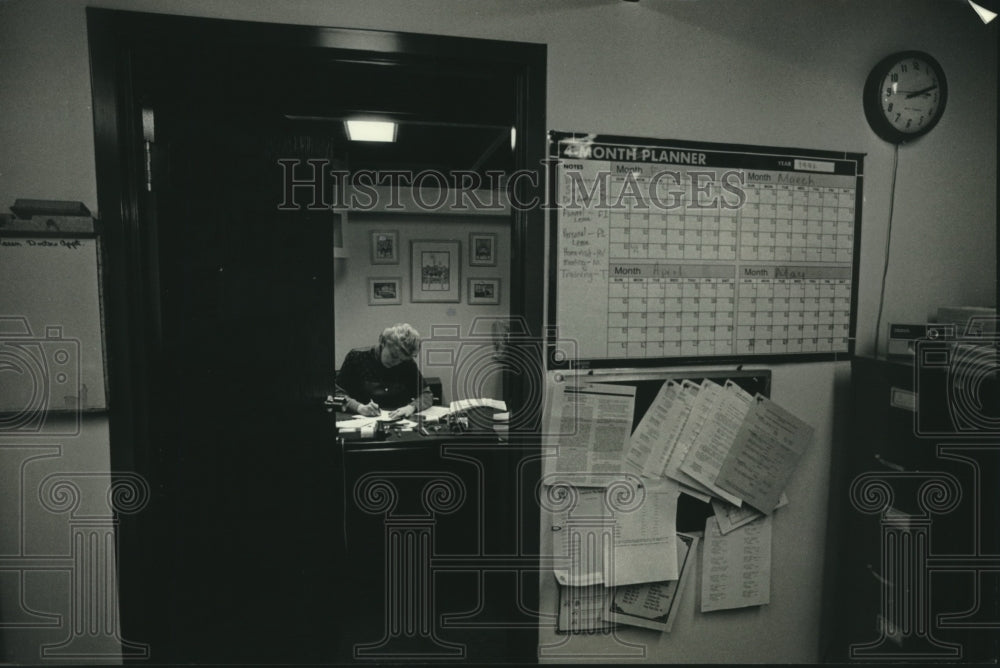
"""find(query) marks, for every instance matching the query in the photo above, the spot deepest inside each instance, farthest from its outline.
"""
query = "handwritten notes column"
(582, 253)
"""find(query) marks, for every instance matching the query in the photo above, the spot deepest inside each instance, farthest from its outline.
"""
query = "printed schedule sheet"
(703, 250)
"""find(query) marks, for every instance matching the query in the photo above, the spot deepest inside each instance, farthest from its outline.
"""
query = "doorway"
(220, 313)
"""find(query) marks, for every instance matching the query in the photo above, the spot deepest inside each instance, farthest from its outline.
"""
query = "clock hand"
(921, 91)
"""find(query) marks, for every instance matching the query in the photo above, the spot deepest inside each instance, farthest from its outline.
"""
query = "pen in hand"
(370, 409)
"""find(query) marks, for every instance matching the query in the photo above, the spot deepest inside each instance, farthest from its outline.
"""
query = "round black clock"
(905, 95)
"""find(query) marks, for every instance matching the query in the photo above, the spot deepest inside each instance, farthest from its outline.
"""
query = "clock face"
(911, 95)
(905, 95)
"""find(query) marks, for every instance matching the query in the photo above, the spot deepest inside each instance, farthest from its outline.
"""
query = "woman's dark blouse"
(363, 378)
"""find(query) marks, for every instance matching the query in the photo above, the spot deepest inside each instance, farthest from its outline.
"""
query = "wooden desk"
(434, 532)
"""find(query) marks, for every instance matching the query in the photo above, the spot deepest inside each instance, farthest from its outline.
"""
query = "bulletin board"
(691, 513)
(675, 251)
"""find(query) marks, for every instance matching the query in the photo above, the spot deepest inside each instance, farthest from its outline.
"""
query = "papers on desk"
(432, 414)
(363, 421)
(436, 413)
(466, 404)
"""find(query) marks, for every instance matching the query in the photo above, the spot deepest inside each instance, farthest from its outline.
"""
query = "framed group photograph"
(385, 247)
(435, 271)
(484, 290)
(482, 249)
(385, 291)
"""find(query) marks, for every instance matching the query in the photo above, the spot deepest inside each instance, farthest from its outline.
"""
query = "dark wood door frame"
(115, 39)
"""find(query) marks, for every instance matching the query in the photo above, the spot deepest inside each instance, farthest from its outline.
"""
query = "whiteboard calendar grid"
(705, 252)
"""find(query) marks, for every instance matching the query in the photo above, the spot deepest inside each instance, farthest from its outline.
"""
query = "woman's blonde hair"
(401, 336)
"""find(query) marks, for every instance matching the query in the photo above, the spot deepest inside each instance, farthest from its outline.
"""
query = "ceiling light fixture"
(383, 131)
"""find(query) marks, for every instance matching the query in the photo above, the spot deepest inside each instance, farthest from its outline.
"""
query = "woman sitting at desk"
(385, 376)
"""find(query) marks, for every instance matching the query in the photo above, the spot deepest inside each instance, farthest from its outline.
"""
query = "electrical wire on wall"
(888, 240)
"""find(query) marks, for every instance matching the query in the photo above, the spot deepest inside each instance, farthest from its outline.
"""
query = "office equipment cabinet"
(913, 566)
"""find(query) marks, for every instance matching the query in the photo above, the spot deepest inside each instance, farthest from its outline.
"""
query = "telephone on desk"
(335, 402)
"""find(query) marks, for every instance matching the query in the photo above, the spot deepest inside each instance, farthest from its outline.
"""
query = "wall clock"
(904, 96)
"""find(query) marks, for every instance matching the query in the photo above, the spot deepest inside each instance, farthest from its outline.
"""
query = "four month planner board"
(688, 251)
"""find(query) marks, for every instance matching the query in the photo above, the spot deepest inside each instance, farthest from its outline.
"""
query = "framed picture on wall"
(434, 271)
(385, 291)
(482, 249)
(484, 290)
(385, 247)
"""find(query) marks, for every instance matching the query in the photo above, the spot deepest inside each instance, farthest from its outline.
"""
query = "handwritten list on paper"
(736, 567)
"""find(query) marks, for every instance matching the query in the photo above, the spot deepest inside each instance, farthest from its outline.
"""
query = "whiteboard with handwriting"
(51, 339)
(667, 250)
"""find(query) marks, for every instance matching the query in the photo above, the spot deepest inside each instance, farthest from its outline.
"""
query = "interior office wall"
(764, 72)
(358, 324)
(54, 491)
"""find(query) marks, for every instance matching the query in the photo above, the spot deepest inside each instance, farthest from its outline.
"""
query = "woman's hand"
(370, 409)
(402, 412)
